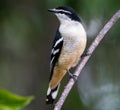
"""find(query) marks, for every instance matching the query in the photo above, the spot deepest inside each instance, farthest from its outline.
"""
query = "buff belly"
(66, 61)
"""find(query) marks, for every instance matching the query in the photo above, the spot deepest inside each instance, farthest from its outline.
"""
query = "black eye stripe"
(63, 12)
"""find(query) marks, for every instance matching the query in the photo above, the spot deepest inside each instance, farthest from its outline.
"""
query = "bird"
(68, 46)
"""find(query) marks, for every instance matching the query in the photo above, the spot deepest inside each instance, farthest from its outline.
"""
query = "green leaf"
(9, 101)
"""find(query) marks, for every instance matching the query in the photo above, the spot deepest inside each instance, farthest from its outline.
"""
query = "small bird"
(68, 46)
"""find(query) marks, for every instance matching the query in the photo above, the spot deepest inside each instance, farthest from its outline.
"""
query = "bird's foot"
(74, 77)
(85, 54)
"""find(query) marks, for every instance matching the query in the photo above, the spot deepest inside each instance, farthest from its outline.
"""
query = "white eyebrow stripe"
(57, 10)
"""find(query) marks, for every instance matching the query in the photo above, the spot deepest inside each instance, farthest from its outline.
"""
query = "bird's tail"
(52, 94)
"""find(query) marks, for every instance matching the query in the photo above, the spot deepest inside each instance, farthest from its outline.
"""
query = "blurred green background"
(27, 30)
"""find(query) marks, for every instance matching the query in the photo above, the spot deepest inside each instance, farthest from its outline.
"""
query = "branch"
(84, 60)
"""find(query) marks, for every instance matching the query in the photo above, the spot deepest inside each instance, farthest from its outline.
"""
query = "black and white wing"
(56, 50)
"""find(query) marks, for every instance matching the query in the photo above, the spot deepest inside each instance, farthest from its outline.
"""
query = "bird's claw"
(85, 54)
(74, 77)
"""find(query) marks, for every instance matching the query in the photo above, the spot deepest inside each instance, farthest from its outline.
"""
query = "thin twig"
(84, 60)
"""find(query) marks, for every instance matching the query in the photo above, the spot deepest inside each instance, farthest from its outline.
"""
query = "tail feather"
(51, 95)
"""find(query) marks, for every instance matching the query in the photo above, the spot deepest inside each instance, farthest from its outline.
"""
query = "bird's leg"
(74, 77)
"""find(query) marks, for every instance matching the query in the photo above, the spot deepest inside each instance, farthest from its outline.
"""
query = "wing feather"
(56, 50)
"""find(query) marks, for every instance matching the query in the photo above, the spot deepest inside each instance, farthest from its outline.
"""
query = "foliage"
(9, 101)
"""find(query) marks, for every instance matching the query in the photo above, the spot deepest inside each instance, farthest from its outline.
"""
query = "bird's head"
(65, 13)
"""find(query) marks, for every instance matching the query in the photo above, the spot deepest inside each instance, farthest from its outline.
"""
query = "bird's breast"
(74, 43)
(74, 36)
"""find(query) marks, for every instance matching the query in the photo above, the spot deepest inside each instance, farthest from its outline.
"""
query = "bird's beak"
(52, 10)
